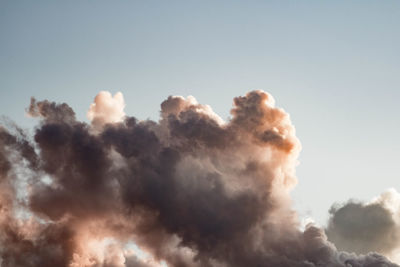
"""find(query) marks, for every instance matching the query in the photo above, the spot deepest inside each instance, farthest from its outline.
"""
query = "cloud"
(106, 109)
(367, 227)
(189, 189)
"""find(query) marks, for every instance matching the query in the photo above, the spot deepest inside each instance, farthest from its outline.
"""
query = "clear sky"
(333, 65)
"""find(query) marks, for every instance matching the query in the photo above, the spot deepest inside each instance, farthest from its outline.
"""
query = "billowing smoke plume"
(188, 190)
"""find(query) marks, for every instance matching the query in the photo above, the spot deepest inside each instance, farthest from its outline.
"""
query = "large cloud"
(189, 190)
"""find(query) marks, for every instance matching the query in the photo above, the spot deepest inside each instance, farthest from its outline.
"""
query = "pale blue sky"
(333, 65)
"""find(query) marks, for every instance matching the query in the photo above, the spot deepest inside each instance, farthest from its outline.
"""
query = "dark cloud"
(363, 228)
(190, 190)
(50, 111)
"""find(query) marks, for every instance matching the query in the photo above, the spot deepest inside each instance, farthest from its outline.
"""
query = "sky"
(332, 65)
